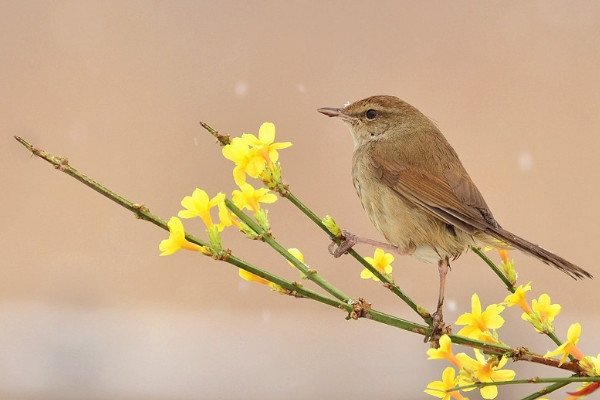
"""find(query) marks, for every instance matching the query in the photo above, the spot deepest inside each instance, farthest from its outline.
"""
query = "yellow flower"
(251, 154)
(570, 346)
(482, 370)
(249, 276)
(381, 261)
(263, 144)
(442, 389)
(245, 162)
(508, 266)
(503, 255)
(544, 307)
(591, 365)
(479, 323)
(226, 217)
(296, 253)
(444, 351)
(250, 198)
(177, 240)
(199, 205)
(518, 298)
(543, 313)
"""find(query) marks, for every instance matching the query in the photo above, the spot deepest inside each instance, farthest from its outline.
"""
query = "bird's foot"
(438, 328)
(348, 241)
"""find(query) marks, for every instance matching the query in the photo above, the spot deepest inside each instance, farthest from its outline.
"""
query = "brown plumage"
(415, 189)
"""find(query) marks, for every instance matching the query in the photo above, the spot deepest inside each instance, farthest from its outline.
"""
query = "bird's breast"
(403, 224)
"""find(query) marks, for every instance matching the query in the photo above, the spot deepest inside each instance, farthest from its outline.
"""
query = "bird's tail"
(540, 253)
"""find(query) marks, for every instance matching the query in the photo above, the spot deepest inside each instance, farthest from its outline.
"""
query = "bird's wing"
(452, 199)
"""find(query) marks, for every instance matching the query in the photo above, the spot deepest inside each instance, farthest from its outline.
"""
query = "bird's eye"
(371, 114)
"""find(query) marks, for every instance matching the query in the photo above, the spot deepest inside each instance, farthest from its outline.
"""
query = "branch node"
(360, 309)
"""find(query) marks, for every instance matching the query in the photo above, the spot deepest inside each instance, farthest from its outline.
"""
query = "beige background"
(89, 310)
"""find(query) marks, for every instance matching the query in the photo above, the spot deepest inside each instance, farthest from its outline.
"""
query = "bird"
(417, 193)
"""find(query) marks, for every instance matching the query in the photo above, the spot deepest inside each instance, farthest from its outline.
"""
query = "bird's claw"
(438, 328)
(348, 241)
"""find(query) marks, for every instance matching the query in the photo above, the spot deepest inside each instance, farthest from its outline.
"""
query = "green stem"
(493, 348)
(267, 238)
(494, 268)
(398, 322)
(557, 384)
(61, 164)
(567, 380)
(290, 286)
(223, 139)
(308, 212)
(546, 390)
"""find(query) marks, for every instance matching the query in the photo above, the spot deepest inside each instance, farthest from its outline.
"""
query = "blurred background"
(89, 310)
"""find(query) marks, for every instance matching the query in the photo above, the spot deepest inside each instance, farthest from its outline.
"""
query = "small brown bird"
(417, 192)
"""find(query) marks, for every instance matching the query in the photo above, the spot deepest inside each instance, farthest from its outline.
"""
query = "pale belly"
(412, 229)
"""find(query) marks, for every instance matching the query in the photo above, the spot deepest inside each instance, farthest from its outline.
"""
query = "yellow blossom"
(177, 240)
(250, 198)
(263, 144)
(518, 298)
(249, 276)
(245, 161)
(199, 205)
(591, 365)
(251, 154)
(544, 307)
(444, 351)
(226, 217)
(479, 323)
(543, 313)
(508, 266)
(503, 255)
(482, 370)
(296, 253)
(382, 261)
(570, 346)
(443, 389)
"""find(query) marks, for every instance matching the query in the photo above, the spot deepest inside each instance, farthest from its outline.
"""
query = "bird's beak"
(335, 112)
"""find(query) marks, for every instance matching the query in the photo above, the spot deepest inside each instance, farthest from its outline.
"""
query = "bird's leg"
(438, 317)
(351, 239)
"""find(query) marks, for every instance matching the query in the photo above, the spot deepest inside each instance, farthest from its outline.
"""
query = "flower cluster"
(483, 325)
(471, 371)
(253, 156)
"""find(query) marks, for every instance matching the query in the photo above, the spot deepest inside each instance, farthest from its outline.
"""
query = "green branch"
(567, 380)
(311, 274)
(294, 289)
(494, 268)
(557, 383)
